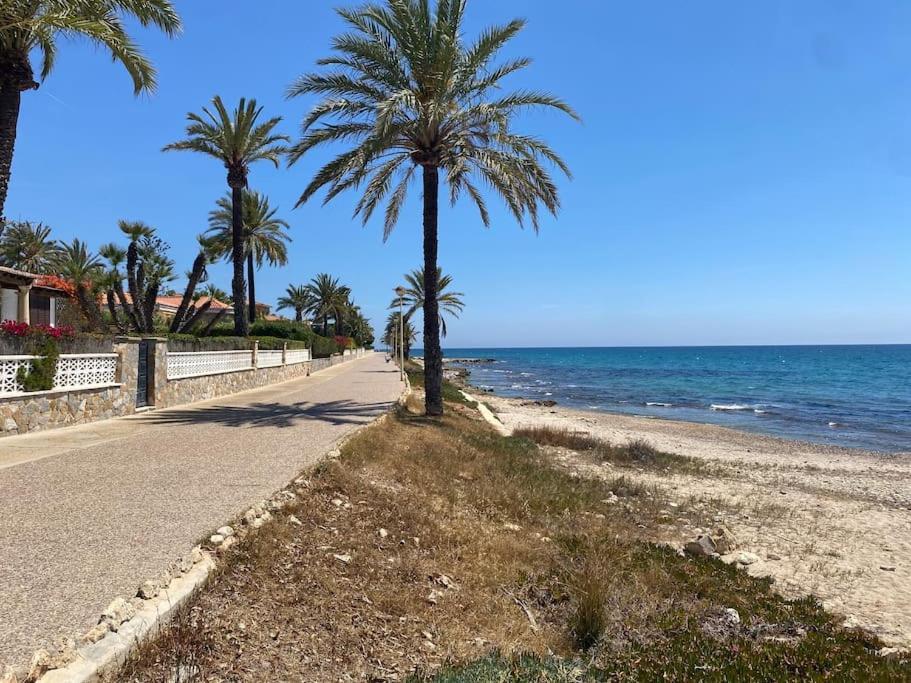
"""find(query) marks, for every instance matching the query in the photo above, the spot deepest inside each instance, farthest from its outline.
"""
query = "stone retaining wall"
(42, 410)
(49, 409)
(37, 411)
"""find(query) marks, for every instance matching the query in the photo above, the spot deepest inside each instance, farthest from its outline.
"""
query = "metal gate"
(143, 372)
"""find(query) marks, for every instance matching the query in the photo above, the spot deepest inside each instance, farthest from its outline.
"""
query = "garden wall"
(174, 379)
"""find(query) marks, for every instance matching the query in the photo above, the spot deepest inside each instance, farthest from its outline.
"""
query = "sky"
(742, 173)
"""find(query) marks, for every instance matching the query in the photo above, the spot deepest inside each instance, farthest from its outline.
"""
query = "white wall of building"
(9, 304)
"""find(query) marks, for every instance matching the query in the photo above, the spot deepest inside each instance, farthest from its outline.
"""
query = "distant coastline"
(850, 396)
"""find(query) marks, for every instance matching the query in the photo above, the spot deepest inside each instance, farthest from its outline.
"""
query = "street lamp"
(400, 292)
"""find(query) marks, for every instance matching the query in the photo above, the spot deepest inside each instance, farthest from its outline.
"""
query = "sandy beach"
(827, 521)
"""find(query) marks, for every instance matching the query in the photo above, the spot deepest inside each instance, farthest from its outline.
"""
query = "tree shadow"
(281, 415)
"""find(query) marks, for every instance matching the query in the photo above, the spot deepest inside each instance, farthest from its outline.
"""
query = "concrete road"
(88, 513)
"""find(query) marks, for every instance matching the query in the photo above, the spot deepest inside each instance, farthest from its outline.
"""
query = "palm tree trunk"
(215, 318)
(10, 96)
(133, 285)
(251, 287)
(433, 355)
(199, 266)
(112, 309)
(241, 326)
(298, 315)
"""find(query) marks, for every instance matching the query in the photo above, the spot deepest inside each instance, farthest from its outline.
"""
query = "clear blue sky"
(742, 175)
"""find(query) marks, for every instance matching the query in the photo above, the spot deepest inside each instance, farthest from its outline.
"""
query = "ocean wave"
(760, 411)
(835, 424)
(659, 404)
(730, 406)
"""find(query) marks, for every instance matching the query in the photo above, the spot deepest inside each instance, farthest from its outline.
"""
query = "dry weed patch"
(438, 546)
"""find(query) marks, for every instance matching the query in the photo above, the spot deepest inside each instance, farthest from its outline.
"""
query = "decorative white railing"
(198, 363)
(269, 358)
(294, 356)
(74, 371)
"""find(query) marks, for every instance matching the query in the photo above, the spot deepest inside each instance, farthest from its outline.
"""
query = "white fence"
(294, 356)
(269, 358)
(185, 364)
(74, 371)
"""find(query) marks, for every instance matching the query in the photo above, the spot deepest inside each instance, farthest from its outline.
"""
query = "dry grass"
(456, 542)
(638, 453)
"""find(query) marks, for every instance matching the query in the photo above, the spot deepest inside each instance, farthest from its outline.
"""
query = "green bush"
(284, 329)
(41, 375)
(323, 347)
(188, 342)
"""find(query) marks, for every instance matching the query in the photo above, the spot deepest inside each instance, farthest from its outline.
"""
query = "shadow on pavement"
(272, 414)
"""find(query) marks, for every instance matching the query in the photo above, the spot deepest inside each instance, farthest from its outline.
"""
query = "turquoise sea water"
(856, 396)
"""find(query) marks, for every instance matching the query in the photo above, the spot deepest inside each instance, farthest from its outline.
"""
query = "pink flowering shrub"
(13, 328)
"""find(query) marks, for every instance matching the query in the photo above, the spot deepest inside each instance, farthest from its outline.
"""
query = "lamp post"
(400, 291)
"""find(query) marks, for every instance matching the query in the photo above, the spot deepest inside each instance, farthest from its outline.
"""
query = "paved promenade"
(87, 513)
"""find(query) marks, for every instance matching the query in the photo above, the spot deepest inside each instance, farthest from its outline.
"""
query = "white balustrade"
(269, 358)
(294, 356)
(74, 371)
(185, 364)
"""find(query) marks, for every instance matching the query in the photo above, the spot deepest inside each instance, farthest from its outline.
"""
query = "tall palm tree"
(33, 27)
(265, 238)
(236, 139)
(297, 298)
(449, 302)
(28, 246)
(328, 299)
(408, 93)
(81, 267)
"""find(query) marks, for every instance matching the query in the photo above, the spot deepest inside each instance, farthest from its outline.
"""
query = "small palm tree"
(28, 246)
(297, 298)
(449, 302)
(236, 139)
(328, 299)
(265, 239)
(83, 269)
(214, 292)
(410, 95)
(393, 330)
(34, 27)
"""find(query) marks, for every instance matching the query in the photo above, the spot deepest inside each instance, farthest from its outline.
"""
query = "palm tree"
(186, 315)
(78, 265)
(408, 93)
(392, 332)
(28, 246)
(33, 27)
(265, 238)
(296, 297)
(449, 302)
(237, 140)
(328, 299)
(214, 292)
(115, 255)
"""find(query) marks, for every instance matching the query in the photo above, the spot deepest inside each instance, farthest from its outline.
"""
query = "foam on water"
(800, 392)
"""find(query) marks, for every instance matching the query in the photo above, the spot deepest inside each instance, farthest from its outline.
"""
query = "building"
(167, 306)
(28, 298)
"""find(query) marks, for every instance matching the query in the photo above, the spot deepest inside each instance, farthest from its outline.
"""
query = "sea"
(856, 396)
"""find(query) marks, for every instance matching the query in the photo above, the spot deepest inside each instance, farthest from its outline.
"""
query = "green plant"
(264, 237)
(40, 377)
(414, 99)
(237, 139)
(33, 29)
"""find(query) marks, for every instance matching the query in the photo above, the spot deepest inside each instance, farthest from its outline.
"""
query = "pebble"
(216, 539)
(747, 558)
(225, 531)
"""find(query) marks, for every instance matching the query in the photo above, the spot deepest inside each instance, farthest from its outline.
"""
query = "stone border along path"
(354, 395)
